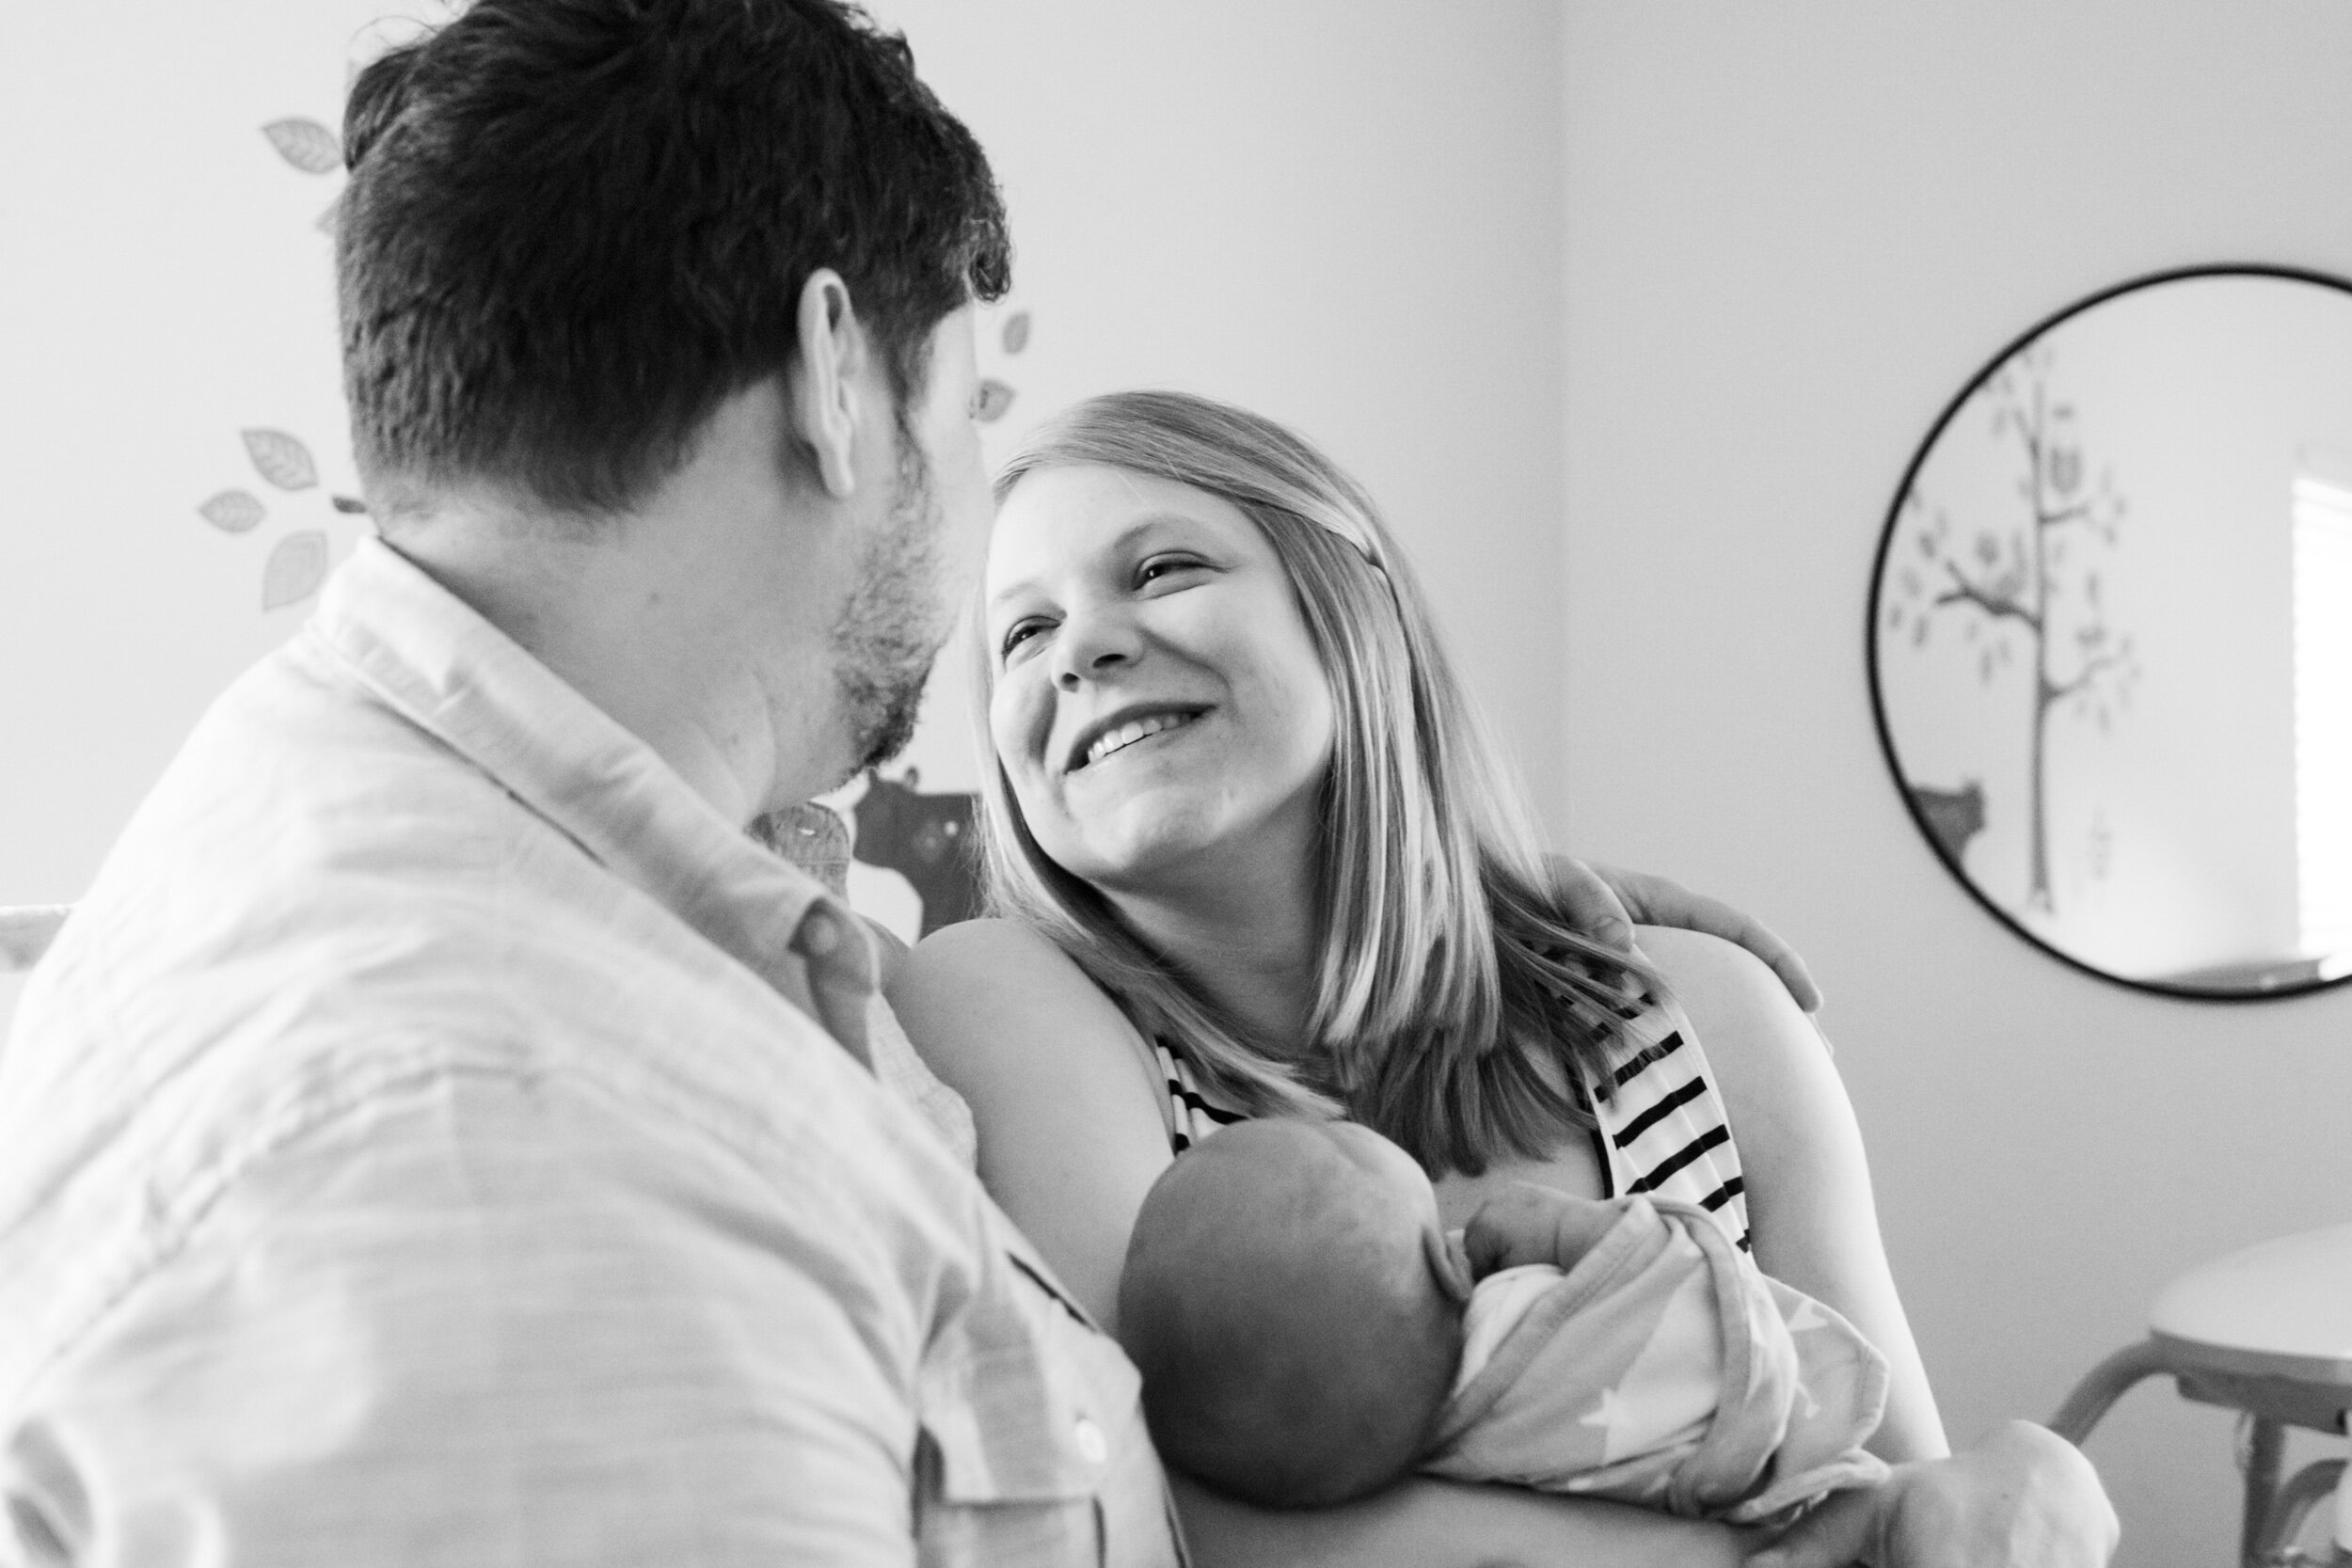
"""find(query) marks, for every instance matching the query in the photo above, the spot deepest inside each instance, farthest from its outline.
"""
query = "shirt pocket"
(1032, 1449)
(1000, 1475)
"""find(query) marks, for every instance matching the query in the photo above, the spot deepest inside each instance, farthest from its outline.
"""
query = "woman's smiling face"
(1156, 693)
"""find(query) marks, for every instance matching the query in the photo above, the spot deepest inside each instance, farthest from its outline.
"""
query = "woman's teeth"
(1131, 732)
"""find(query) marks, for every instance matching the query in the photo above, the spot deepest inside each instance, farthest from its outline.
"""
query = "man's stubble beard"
(893, 623)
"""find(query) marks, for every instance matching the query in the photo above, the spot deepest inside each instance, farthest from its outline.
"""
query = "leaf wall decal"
(1016, 332)
(305, 144)
(233, 512)
(329, 219)
(296, 569)
(283, 460)
(351, 506)
(996, 397)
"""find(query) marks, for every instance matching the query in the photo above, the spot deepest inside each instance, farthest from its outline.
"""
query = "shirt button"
(820, 936)
(1092, 1446)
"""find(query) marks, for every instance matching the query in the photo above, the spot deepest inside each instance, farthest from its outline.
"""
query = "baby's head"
(1290, 1301)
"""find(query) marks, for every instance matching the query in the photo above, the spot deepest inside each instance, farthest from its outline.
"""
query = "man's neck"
(621, 612)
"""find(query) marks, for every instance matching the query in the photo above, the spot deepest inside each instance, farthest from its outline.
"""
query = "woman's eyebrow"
(1125, 539)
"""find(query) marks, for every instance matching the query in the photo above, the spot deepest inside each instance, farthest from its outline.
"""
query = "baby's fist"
(1528, 1224)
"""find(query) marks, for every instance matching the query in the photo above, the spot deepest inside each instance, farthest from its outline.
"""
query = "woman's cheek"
(1019, 726)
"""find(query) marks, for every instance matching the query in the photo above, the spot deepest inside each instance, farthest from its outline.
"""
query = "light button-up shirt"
(440, 1137)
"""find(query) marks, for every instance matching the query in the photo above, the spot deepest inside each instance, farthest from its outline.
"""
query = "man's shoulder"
(363, 1097)
(303, 845)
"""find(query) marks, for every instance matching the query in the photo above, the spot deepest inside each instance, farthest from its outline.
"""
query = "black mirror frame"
(1877, 577)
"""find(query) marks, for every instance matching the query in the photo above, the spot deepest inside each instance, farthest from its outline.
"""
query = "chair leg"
(2262, 1450)
(2283, 1520)
(2104, 1384)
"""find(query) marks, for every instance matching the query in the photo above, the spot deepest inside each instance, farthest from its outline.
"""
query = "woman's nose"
(1091, 644)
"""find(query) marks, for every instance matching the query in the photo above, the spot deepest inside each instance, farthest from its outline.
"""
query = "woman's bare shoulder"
(984, 983)
(1062, 1086)
(1696, 960)
(983, 957)
(979, 944)
(1769, 1059)
(1740, 1011)
(987, 929)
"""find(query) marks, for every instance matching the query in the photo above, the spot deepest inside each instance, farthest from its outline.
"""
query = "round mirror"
(2111, 633)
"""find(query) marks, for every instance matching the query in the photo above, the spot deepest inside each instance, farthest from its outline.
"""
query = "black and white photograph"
(1103, 783)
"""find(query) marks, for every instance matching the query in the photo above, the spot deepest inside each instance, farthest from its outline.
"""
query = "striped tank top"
(1660, 1125)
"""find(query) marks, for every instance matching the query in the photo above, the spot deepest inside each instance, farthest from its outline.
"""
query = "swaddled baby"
(1307, 1334)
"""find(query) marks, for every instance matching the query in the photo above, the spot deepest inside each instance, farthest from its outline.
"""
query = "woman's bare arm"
(1809, 1202)
(1423, 1521)
(1072, 1139)
(1060, 1089)
(2019, 1496)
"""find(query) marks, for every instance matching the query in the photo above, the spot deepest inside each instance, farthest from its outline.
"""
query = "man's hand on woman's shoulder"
(1606, 903)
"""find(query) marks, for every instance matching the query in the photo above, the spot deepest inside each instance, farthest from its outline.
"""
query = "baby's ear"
(1449, 1262)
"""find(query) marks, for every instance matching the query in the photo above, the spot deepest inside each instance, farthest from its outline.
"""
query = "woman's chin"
(1140, 868)
(1168, 836)
(1150, 845)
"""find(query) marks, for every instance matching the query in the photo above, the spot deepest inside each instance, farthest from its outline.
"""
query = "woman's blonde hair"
(1455, 1012)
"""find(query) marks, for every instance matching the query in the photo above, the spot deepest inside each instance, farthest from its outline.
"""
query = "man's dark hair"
(575, 226)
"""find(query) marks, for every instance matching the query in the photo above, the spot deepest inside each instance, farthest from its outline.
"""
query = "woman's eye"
(1016, 634)
(1161, 565)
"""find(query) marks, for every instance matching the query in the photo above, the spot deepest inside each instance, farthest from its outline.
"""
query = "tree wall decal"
(297, 564)
(995, 398)
(2037, 580)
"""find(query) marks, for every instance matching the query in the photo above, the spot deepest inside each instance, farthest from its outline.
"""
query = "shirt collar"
(433, 659)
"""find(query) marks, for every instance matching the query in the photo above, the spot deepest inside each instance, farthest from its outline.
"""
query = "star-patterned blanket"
(1662, 1368)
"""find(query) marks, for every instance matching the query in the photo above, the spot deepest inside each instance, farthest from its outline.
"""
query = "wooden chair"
(2267, 1331)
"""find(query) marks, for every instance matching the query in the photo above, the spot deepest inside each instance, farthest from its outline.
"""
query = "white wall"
(1322, 209)
(1791, 234)
(1329, 210)
(163, 288)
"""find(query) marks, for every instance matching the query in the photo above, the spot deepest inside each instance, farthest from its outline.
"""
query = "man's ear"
(821, 387)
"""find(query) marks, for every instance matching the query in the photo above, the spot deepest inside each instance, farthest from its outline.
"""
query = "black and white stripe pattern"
(1190, 1117)
(1661, 1125)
